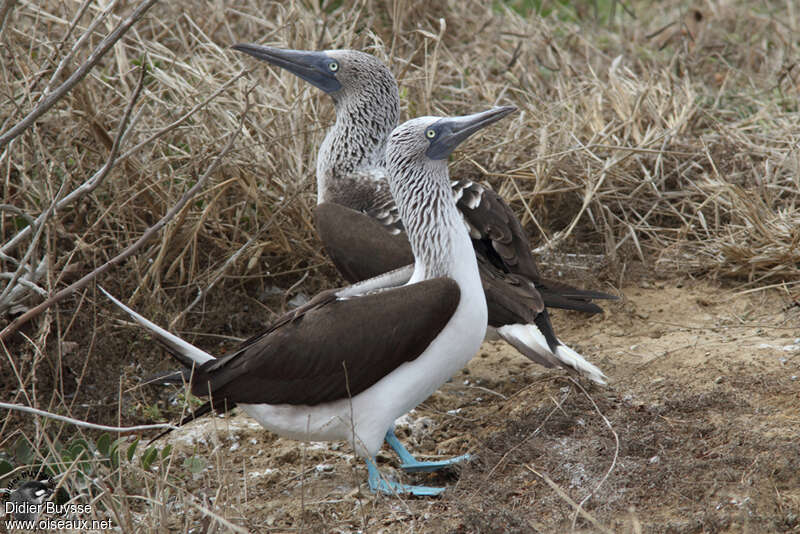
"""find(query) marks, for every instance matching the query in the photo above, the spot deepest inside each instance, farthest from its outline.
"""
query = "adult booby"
(359, 224)
(349, 362)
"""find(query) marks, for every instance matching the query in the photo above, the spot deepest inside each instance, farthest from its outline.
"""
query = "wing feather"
(362, 246)
(332, 348)
(359, 245)
(498, 235)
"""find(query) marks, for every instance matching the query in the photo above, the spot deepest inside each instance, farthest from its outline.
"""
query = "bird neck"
(435, 229)
(356, 143)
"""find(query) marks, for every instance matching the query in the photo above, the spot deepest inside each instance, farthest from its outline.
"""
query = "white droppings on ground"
(263, 473)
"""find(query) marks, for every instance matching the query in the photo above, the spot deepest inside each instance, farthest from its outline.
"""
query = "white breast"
(375, 409)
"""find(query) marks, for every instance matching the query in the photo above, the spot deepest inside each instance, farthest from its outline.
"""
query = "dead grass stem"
(671, 139)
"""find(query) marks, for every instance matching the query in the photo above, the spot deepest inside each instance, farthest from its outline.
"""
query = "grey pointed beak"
(452, 131)
(313, 67)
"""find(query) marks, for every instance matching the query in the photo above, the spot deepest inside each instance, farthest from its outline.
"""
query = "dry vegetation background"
(662, 136)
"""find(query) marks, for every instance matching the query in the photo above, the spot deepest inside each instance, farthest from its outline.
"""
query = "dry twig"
(99, 51)
(122, 256)
(84, 424)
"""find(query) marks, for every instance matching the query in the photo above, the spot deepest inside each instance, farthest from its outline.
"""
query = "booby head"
(416, 165)
(435, 138)
(339, 73)
(367, 103)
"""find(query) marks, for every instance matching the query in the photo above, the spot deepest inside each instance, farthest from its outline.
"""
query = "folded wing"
(332, 348)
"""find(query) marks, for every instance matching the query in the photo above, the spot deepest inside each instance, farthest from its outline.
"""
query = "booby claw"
(379, 485)
(412, 465)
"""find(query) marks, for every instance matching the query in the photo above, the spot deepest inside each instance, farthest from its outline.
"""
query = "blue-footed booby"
(346, 364)
(359, 223)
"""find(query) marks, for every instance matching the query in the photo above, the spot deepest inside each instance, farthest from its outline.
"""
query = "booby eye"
(430, 133)
(333, 66)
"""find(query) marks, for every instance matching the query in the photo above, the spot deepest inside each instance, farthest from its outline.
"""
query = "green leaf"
(23, 451)
(20, 222)
(52, 469)
(80, 447)
(132, 449)
(5, 467)
(113, 452)
(149, 457)
(113, 456)
(165, 452)
(194, 464)
(104, 444)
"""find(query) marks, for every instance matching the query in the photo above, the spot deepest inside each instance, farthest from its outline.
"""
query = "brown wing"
(498, 236)
(510, 299)
(362, 246)
(331, 348)
(495, 226)
(359, 245)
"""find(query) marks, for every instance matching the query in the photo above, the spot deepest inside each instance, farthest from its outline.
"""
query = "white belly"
(375, 409)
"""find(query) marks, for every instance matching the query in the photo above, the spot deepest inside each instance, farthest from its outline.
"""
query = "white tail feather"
(177, 344)
(580, 364)
(530, 341)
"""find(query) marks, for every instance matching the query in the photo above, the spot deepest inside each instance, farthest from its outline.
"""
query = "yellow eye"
(333, 66)
(430, 134)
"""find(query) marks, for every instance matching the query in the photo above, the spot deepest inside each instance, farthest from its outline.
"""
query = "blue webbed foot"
(412, 465)
(378, 485)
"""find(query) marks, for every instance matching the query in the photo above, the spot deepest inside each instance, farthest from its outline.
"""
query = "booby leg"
(411, 464)
(388, 487)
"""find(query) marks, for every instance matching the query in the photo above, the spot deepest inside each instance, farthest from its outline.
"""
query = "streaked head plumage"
(435, 138)
(337, 72)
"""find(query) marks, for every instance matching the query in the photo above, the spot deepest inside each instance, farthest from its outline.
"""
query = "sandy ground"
(697, 432)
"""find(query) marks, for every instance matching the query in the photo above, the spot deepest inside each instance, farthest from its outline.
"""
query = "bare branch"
(101, 49)
(86, 187)
(125, 254)
(78, 422)
(5, 9)
(99, 175)
(22, 287)
(97, 178)
(16, 211)
(25, 282)
(28, 253)
(201, 293)
(81, 40)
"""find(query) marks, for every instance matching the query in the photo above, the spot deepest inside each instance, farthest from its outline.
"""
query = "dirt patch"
(702, 414)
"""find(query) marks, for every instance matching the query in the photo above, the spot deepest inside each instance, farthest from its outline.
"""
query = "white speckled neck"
(367, 109)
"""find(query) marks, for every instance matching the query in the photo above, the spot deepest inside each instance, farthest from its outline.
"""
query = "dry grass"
(678, 148)
(670, 139)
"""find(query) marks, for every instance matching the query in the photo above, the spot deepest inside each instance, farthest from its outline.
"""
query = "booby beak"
(452, 131)
(314, 67)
